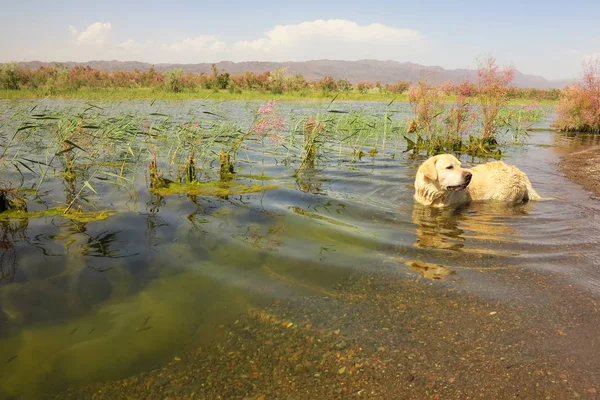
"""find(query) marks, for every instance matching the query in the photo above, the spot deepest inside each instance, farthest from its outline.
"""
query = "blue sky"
(547, 38)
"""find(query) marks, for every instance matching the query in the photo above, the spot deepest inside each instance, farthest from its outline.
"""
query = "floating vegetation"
(214, 188)
(75, 215)
(250, 176)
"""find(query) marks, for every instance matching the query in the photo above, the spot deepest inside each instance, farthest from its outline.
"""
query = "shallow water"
(88, 302)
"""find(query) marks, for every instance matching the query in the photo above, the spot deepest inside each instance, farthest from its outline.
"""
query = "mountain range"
(354, 71)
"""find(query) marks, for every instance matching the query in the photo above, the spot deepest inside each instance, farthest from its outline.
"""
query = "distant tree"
(174, 80)
(399, 87)
(10, 77)
(277, 80)
(344, 85)
(364, 87)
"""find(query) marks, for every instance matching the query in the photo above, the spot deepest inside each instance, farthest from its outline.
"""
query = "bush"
(277, 80)
(174, 80)
(364, 87)
(399, 87)
(344, 85)
(10, 77)
(579, 106)
(327, 84)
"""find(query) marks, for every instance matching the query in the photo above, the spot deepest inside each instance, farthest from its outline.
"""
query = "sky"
(547, 38)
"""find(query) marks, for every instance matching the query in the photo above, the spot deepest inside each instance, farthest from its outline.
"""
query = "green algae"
(250, 176)
(75, 215)
(214, 188)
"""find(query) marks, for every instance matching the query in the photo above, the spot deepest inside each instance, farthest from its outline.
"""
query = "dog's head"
(445, 173)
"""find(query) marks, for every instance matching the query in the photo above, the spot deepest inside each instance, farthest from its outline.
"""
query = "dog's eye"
(450, 167)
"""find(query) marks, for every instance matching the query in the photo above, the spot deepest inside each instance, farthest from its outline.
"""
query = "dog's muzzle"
(467, 180)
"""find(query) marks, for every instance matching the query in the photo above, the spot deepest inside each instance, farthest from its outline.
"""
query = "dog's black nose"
(468, 176)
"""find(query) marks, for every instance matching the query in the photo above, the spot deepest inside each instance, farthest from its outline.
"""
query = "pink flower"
(412, 94)
(447, 87)
(269, 108)
(276, 138)
(270, 127)
(261, 127)
(277, 123)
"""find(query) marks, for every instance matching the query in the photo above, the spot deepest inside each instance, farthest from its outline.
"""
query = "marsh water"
(97, 301)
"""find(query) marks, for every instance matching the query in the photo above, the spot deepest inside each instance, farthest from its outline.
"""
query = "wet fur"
(492, 181)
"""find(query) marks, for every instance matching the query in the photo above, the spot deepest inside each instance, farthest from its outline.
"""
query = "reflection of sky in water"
(100, 300)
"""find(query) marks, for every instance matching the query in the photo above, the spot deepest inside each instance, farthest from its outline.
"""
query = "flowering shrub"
(492, 88)
(465, 89)
(447, 88)
(579, 106)
(427, 105)
(460, 118)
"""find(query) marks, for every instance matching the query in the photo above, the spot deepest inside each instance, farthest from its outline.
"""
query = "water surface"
(85, 302)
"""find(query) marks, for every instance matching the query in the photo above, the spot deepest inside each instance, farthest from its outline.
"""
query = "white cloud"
(203, 42)
(133, 45)
(128, 44)
(95, 34)
(332, 39)
(333, 30)
(310, 40)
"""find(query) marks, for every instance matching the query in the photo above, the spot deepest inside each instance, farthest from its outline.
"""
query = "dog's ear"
(429, 170)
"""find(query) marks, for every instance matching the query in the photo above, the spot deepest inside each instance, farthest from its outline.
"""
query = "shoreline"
(416, 338)
(583, 168)
(224, 95)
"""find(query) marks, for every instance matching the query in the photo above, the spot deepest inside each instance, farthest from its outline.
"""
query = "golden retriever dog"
(441, 182)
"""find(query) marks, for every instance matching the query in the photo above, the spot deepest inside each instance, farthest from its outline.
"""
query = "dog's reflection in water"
(466, 228)
(438, 228)
(448, 228)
